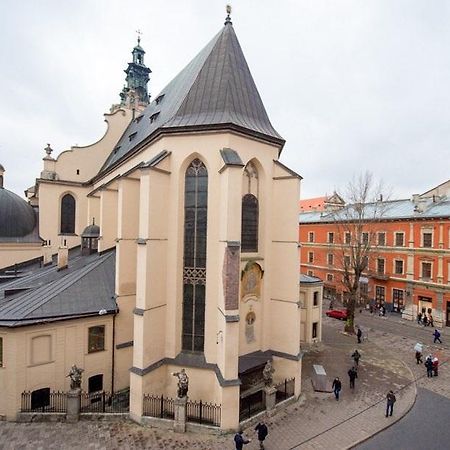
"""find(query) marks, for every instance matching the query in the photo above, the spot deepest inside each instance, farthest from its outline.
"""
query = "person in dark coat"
(336, 386)
(359, 335)
(356, 356)
(429, 366)
(431, 321)
(262, 431)
(390, 400)
(240, 440)
(425, 320)
(352, 374)
(419, 318)
(437, 336)
(419, 357)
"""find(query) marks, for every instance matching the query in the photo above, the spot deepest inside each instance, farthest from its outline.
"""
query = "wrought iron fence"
(203, 412)
(251, 405)
(158, 406)
(285, 390)
(45, 402)
(105, 402)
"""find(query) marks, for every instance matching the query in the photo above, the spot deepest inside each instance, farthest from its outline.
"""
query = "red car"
(340, 314)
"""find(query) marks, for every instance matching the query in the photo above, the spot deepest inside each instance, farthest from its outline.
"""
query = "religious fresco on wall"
(249, 326)
(251, 281)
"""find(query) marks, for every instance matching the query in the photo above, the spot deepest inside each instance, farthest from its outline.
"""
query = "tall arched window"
(68, 214)
(194, 270)
(250, 210)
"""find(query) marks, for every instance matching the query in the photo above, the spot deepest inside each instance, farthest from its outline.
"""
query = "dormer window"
(132, 136)
(138, 119)
(153, 117)
(116, 149)
(159, 99)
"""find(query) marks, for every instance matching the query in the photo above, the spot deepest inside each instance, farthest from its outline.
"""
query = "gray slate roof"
(394, 210)
(307, 279)
(216, 89)
(85, 288)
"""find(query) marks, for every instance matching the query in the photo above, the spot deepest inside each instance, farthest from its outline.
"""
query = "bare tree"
(357, 226)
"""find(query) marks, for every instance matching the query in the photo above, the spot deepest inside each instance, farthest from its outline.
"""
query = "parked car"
(340, 314)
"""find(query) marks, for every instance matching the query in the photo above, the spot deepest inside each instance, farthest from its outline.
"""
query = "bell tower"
(134, 94)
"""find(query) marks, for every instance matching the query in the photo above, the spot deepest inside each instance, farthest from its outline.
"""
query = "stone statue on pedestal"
(268, 373)
(75, 377)
(183, 383)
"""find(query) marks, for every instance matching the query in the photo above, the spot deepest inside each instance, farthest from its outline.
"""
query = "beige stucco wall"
(40, 356)
(309, 312)
(11, 254)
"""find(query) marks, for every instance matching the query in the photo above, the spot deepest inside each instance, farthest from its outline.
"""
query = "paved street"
(318, 421)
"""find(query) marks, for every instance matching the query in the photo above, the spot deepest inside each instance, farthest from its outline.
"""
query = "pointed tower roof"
(214, 91)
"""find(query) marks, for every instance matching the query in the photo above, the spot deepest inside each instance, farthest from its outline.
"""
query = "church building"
(189, 221)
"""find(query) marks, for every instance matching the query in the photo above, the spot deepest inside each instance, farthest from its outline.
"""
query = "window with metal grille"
(249, 229)
(194, 270)
(96, 339)
(68, 214)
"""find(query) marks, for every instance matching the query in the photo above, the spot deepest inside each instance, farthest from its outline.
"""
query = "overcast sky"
(350, 84)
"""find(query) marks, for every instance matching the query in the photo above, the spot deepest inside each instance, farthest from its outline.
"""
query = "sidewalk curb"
(397, 418)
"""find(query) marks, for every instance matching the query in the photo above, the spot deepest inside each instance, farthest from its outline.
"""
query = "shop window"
(96, 340)
(399, 239)
(67, 214)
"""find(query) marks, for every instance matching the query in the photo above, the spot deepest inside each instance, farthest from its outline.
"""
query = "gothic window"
(194, 271)
(250, 210)
(68, 214)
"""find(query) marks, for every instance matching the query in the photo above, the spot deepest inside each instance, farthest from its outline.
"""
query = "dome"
(91, 231)
(17, 217)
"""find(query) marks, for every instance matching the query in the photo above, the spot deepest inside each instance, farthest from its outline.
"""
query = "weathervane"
(139, 33)
(228, 18)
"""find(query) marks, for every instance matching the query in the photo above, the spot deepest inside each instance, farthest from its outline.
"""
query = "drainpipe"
(113, 352)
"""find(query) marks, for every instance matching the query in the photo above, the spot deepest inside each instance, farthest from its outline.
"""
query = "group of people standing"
(425, 319)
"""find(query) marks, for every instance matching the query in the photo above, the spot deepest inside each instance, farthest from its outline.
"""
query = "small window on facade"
(116, 149)
(399, 239)
(381, 238)
(249, 224)
(310, 273)
(159, 99)
(315, 298)
(399, 266)
(347, 261)
(380, 265)
(1, 352)
(426, 270)
(310, 257)
(132, 136)
(427, 239)
(330, 237)
(96, 340)
(311, 236)
(348, 238)
(314, 329)
(68, 214)
(329, 277)
(365, 238)
(138, 119)
(153, 117)
(330, 258)
(78, 171)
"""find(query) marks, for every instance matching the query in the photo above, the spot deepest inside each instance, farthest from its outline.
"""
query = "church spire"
(134, 95)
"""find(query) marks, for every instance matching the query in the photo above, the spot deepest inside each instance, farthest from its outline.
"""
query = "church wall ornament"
(251, 281)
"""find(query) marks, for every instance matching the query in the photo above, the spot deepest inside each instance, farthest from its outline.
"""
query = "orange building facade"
(409, 266)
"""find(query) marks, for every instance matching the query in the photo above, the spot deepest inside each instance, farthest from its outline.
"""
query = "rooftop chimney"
(46, 253)
(63, 256)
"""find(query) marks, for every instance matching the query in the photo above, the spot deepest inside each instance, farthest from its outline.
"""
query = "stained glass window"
(68, 214)
(249, 229)
(194, 271)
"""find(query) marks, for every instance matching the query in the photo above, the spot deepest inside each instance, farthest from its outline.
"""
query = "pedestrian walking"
(425, 320)
(437, 336)
(429, 366)
(262, 431)
(359, 335)
(435, 366)
(419, 318)
(240, 440)
(352, 374)
(419, 357)
(390, 400)
(356, 357)
(431, 321)
(336, 386)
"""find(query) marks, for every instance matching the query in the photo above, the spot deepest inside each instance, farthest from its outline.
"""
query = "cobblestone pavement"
(318, 421)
